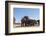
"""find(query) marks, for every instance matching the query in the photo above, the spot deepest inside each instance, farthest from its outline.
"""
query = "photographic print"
(24, 17)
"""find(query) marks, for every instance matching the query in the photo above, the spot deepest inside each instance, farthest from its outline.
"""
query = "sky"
(19, 13)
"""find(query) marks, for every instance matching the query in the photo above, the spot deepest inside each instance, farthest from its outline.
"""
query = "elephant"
(24, 21)
(28, 22)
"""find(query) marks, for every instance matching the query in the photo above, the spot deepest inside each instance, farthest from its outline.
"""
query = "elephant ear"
(25, 19)
(22, 20)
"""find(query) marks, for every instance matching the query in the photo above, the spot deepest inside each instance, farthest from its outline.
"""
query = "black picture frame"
(6, 18)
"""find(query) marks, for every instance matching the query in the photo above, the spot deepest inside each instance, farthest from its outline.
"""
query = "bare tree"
(14, 20)
(38, 22)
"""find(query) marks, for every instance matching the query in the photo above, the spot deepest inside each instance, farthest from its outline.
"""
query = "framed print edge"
(6, 18)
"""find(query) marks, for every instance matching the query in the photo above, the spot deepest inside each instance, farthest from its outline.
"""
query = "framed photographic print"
(24, 17)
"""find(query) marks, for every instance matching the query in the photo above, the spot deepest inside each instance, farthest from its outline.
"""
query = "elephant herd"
(25, 21)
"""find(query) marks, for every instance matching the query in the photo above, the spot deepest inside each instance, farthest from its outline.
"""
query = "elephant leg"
(22, 24)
